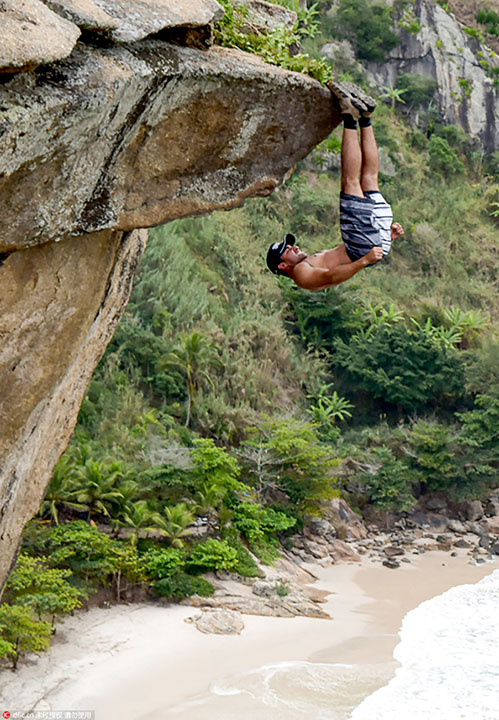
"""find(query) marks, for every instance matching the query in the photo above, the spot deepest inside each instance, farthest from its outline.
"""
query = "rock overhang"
(133, 136)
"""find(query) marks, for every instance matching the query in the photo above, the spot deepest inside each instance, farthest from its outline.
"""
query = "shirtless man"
(366, 219)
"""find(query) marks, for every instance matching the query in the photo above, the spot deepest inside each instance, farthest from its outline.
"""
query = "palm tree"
(329, 406)
(176, 523)
(394, 94)
(469, 323)
(193, 354)
(97, 486)
(141, 519)
(209, 501)
(62, 491)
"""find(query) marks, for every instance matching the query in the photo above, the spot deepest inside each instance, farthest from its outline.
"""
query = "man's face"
(292, 256)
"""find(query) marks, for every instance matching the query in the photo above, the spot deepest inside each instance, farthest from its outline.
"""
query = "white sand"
(134, 661)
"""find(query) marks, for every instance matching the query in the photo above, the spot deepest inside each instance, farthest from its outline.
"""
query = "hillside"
(231, 407)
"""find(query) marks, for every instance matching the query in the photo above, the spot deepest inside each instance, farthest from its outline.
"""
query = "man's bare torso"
(328, 259)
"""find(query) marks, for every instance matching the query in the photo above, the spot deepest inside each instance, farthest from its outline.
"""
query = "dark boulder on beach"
(392, 564)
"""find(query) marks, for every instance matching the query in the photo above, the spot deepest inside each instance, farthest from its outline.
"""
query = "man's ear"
(283, 266)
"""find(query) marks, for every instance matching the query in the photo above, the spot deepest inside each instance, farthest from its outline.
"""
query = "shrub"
(443, 158)
(162, 563)
(418, 90)
(245, 565)
(321, 317)
(282, 588)
(489, 18)
(405, 367)
(81, 548)
(369, 26)
(260, 525)
(181, 586)
(389, 485)
(34, 584)
(433, 454)
(273, 47)
(212, 555)
(20, 632)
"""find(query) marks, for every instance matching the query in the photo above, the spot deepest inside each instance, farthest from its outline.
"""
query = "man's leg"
(351, 162)
(370, 159)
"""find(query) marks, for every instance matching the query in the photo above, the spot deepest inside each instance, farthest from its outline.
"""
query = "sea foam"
(449, 657)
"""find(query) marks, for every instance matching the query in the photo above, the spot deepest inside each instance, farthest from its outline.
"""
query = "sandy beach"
(143, 662)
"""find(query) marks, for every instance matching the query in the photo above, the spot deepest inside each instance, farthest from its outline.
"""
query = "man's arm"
(312, 278)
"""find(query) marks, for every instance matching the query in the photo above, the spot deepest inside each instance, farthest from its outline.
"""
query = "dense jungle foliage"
(231, 405)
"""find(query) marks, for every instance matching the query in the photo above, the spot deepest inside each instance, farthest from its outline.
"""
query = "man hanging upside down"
(366, 219)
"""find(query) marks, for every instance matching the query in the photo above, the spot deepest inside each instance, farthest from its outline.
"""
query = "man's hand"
(375, 254)
(397, 231)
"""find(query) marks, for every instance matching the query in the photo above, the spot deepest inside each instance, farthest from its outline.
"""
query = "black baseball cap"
(275, 251)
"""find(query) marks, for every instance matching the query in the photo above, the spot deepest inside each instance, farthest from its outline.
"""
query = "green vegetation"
(219, 418)
(369, 26)
(21, 632)
(489, 18)
(278, 46)
(418, 90)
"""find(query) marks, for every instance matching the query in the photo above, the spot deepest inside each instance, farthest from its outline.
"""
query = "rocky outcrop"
(30, 34)
(85, 14)
(133, 137)
(59, 306)
(442, 50)
(218, 622)
(109, 139)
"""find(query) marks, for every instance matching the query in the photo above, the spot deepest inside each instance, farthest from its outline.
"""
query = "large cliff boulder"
(126, 137)
(109, 139)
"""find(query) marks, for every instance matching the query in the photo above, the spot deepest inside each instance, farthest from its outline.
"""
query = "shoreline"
(130, 662)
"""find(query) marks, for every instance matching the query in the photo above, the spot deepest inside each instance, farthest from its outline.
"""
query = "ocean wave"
(290, 690)
(449, 657)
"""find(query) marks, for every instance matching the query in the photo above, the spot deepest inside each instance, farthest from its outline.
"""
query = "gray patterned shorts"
(365, 223)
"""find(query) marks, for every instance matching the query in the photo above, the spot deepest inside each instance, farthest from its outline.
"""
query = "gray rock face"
(320, 527)
(289, 606)
(492, 508)
(473, 510)
(31, 34)
(134, 137)
(341, 514)
(443, 51)
(84, 13)
(140, 18)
